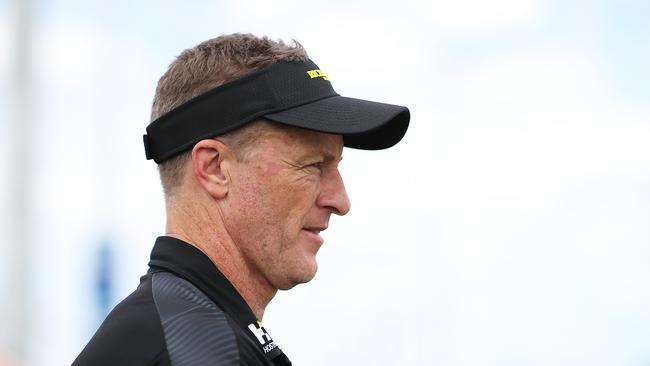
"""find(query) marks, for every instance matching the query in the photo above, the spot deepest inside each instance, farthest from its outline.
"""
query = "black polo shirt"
(184, 312)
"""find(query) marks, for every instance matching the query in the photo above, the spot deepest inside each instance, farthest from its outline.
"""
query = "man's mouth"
(315, 229)
(314, 232)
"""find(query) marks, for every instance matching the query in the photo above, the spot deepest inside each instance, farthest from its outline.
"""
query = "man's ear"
(210, 162)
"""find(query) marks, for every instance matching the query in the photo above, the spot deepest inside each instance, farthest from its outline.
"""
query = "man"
(248, 134)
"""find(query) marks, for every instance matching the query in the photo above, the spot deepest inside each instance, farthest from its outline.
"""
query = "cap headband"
(275, 88)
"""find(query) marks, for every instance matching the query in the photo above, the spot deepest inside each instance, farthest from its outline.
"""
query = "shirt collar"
(186, 261)
(190, 263)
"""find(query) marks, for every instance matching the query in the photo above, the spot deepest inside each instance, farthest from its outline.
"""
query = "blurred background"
(510, 227)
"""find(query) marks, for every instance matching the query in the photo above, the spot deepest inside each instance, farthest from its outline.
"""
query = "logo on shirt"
(262, 336)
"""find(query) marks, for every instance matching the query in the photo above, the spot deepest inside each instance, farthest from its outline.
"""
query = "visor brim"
(363, 124)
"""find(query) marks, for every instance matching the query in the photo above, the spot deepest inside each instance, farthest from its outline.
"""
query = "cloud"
(527, 126)
(471, 16)
(460, 16)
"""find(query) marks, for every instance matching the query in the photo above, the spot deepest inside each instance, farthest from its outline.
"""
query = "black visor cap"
(297, 94)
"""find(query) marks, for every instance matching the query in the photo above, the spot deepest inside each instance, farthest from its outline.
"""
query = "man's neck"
(212, 239)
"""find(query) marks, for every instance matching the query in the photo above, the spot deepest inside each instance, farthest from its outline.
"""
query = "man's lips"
(314, 231)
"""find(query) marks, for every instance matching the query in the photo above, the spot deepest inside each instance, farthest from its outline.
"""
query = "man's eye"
(318, 165)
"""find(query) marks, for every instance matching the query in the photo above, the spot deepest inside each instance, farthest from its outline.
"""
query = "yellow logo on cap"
(317, 74)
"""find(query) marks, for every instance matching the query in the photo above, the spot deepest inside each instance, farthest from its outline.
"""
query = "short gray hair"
(212, 63)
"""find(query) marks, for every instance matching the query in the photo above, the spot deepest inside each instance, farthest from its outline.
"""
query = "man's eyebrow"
(325, 154)
(331, 157)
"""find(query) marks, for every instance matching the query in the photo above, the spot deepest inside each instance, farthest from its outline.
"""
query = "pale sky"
(510, 227)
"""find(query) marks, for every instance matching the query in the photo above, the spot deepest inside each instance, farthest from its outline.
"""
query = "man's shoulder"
(168, 320)
(130, 335)
(196, 330)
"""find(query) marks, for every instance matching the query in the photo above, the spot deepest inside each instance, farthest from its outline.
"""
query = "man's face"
(281, 197)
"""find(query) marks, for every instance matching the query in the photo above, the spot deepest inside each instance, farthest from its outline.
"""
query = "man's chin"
(298, 279)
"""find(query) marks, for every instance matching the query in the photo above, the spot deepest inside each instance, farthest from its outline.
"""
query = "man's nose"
(333, 195)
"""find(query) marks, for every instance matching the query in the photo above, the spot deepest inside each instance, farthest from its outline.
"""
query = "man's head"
(248, 134)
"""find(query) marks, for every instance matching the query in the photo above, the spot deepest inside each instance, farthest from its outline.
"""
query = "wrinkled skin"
(281, 196)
